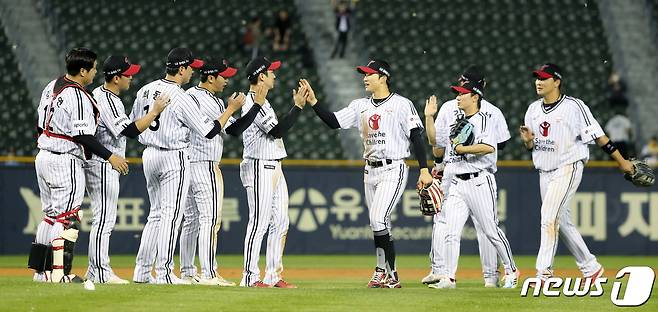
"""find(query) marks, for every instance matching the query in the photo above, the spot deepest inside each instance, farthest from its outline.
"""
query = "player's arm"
(235, 102)
(419, 147)
(527, 136)
(590, 130)
(138, 126)
(430, 110)
(83, 131)
(502, 131)
(287, 121)
(477, 149)
(328, 117)
(608, 146)
(242, 123)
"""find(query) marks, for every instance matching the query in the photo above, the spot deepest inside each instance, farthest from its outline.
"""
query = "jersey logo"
(543, 127)
(373, 122)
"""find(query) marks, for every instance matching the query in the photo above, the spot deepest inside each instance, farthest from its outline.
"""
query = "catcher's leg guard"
(63, 248)
(41, 258)
(68, 256)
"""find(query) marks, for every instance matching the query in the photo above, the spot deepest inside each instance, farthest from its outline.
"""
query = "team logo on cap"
(373, 122)
(544, 128)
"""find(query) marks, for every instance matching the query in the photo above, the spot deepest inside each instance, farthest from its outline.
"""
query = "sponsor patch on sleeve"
(80, 125)
(121, 122)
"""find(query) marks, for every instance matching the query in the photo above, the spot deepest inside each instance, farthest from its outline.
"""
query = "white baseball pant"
(267, 195)
(202, 219)
(557, 189)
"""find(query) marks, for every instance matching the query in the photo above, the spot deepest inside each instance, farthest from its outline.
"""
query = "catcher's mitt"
(642, 174)
(461, 133)
(431, 198)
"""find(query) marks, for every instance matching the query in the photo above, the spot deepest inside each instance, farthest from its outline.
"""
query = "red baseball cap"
(214, 66)
(470, 87)
(116, 64)
(259, 65)
(375, 66)
(548, 70)
(182, 57)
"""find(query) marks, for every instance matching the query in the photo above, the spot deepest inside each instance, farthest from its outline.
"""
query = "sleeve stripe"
(484, 121)
(80, 107)
(221, 106)
(195, 100)
(413, 108)
(582, 110)
(111, 104)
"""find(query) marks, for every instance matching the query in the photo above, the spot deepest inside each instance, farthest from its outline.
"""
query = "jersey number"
(156, 126)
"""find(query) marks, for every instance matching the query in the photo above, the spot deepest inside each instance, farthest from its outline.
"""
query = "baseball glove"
(461, 133)
(642, 174)
(431, 198)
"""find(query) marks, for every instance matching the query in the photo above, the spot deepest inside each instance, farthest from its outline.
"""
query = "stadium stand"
(429, 43)
(17, 134)
(147, 30)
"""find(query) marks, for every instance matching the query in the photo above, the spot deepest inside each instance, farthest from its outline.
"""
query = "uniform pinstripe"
(258, 144)
(562, 133)
(102, 182)
(44, 103)
(475, 196)
(59, 163)
(166, 168)
(267, 195)
(202, 216)
(385, 128)
(488, 258)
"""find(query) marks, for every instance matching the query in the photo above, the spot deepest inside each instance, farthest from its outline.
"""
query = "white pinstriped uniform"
(385, 129)
(267, 195)
(59, 163)
(44, 102)
(203, 214)
(167, 171)
(488, 257)
(562, 133)
(475, 196)
(102, 182)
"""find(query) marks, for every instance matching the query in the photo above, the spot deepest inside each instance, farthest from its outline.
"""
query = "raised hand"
(310, 98)
(236, 101)
(161, 102)
(299, 96)
(430, 106)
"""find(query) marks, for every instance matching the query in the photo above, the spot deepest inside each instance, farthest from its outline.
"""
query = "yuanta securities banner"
(328, 212)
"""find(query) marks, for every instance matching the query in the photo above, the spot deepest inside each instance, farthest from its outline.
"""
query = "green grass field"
(315, 293)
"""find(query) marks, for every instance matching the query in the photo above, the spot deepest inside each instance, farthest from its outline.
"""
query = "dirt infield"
(304, 273)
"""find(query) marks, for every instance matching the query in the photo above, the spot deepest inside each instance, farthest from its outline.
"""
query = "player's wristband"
(609, 147)
(438, 160)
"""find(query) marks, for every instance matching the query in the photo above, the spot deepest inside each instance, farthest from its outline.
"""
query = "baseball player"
(263, 179)
(469, 170)
(67, 123)
(167, 164)
(102, 183)
(450, 109)
(203, 214)
(558, 129)
(388, 124)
